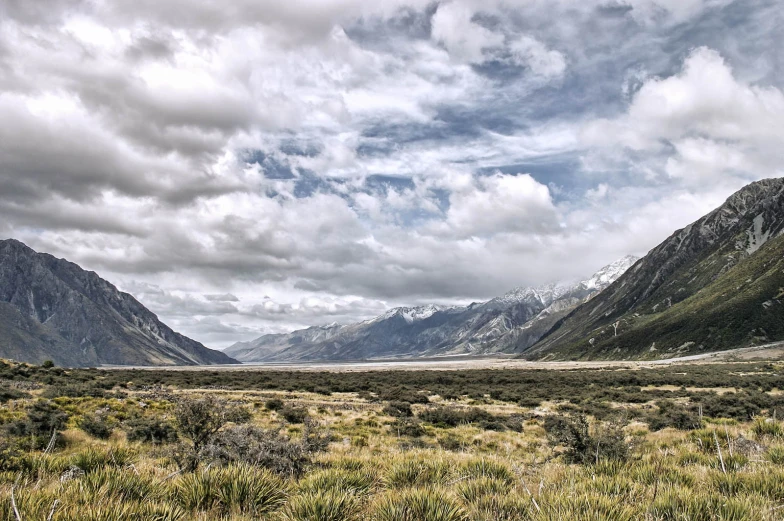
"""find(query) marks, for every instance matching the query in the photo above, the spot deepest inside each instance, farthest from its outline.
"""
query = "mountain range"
(51, 309)
(715, 284)
(518, 318)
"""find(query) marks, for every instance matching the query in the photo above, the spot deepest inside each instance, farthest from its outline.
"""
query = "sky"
(245, 167)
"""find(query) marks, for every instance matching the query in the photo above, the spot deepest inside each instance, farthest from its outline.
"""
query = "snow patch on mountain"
(756, 236)
(607, 275)
(411, 314)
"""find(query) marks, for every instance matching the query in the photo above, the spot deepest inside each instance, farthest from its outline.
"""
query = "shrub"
(151, 430)
(672, 415)
(400, 394)
(75, 390)
(199, 420)
(407, 427)
(446, 416)
(294, 414)
(274, 404)
(43, 420)
(583, 447)
(267, 448)
(7, 394)
(95, 426)
(398, 409)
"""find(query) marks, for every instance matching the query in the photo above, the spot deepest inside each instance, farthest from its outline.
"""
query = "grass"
(727, 469)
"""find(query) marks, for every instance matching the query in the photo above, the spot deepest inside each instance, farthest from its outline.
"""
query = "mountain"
(519, 317)
(716, 284)
(51, 309)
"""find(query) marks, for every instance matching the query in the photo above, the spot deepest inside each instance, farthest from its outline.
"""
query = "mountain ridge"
(687, 266)
(52, 309)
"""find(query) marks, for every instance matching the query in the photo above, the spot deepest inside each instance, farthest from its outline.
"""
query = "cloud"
(703, 119)
(500, 204)
(464, 39)
(262, 166)
(529, 52)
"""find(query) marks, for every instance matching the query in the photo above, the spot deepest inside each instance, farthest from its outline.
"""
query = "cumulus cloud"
(500, 204)
(705, 120)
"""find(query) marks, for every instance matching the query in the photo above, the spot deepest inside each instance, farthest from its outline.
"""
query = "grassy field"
(690, 442)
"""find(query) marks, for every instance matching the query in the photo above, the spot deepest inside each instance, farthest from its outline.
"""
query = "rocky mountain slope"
(51, 309)
(520, 317)
(716, 284)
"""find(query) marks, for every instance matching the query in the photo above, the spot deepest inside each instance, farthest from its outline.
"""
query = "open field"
(771, 351)
(697, 441)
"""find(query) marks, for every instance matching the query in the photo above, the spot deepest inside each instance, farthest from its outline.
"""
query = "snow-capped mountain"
(513, 321)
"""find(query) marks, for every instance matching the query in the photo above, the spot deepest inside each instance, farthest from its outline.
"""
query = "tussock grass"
(421, 470)
(238, 489)
(322, 506)
(422, 504)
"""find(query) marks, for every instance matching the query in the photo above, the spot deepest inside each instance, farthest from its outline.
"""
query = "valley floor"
(762, 352)
(669, 442)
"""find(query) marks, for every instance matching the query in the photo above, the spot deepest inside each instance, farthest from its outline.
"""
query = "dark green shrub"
(199, 420)
(151, 430)
(400, 394)
(274, 404)
(267, 448)
(95, 426)
(407, 427)
(7, 394)
(293, 414)
(447, 416)
(672, 415)
(398, 409)
(583, 447)
(44, 418)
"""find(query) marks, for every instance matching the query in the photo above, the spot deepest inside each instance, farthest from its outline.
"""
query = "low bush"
(582, 446)
(669, 414)
(153, 430)
(398, 409)
(267, 448)
(409, 427)
(274, 404)
(293, 414)
(96, 426)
